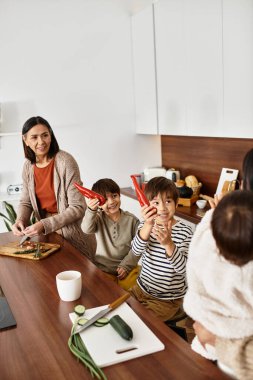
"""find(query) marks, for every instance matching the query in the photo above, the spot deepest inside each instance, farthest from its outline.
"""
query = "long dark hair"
(247, 169)
(30, 123)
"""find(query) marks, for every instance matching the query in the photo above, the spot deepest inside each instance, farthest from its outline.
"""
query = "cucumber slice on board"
(101, 322)
(81, 321)
(79, 310)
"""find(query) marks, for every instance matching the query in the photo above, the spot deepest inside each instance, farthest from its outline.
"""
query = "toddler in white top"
(220, 270)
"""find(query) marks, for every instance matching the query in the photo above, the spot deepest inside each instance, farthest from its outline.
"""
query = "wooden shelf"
(192, 213)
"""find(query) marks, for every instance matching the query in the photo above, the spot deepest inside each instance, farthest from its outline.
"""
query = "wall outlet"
(14, 189)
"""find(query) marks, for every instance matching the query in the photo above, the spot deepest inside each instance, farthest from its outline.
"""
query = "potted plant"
(11, 216)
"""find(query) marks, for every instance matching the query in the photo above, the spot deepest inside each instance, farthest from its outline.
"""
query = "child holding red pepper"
(114, 230)
(162, 242)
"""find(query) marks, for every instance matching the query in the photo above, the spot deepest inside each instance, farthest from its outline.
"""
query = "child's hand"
(93, 204)
(148, 214)
(162, 232)
(122, 273)
(205, 336)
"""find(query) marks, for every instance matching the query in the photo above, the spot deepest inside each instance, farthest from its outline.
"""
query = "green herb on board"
(78, 348)
(37, 253)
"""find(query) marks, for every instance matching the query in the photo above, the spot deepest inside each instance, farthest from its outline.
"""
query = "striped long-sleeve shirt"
(161, 276)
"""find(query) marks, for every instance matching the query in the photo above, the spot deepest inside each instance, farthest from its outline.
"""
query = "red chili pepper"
(140, 195)
(90, 194)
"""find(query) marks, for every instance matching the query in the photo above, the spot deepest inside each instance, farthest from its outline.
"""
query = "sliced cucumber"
(101, 322)
(79, 310)
(81, 321)
(98, 324)
(122, 328)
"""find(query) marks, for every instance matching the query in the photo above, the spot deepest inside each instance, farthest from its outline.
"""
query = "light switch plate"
(14, 189)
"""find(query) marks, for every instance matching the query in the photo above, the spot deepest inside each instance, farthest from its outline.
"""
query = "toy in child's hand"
(90, 194)
(140, 195)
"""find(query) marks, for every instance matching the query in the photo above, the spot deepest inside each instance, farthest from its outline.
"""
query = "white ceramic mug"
(69, 285)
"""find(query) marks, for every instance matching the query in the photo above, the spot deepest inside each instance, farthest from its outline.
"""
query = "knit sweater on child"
(113, 239)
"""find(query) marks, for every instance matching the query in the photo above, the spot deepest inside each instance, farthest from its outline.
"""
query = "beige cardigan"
(71, 204)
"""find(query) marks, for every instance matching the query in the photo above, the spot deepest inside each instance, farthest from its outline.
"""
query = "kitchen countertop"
(193, 214)
(37, 348)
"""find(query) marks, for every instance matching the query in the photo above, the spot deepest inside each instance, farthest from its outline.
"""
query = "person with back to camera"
(163, 244)
(114, 230)
(236, 353)
(48, 191)
(220, 275)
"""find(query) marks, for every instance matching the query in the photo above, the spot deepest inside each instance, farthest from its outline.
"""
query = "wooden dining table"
(37, 348)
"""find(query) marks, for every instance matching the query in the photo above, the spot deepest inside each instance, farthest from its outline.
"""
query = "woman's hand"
(18, 228)
(34, 229)
(122, 273)
(204, 335)
(93, 204)
(217, 197)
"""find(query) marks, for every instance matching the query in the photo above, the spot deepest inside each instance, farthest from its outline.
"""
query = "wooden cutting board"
(187, 202)
(10, 249)
(107, 347)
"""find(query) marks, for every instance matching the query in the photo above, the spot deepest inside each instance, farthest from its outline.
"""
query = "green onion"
(25, 252)
(37, 253)
(78, 348)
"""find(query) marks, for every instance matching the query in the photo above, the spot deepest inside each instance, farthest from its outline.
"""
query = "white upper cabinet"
(238, 68)
(144, 71)
(203, 58)
(203, 67)
(189, 67)
(171, 74)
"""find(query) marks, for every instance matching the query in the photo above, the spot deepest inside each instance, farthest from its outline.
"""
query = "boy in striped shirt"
(162, 242)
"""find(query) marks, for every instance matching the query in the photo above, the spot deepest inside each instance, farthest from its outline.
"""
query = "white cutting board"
(107, 347)
(226, 175)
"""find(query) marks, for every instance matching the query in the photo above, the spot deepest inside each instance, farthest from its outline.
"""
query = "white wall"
(71, 62)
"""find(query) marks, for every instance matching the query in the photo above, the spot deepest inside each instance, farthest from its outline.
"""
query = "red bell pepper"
(90, 194)
(140, 195)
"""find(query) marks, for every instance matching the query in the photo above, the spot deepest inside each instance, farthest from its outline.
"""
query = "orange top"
(44, 187)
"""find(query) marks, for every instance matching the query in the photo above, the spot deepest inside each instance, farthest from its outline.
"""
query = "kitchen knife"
(103, 312)
(23, 239)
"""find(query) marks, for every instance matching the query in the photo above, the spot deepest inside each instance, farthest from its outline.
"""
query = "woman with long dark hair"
(48, 191)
